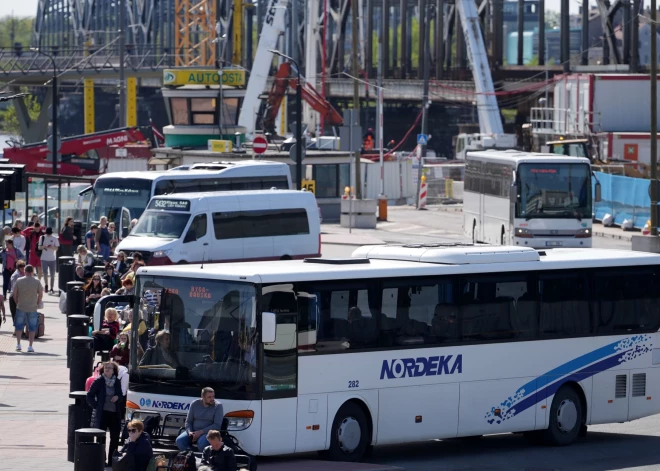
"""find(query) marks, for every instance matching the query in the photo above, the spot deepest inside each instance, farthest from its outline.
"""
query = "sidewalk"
(613, 232)
(34, 400)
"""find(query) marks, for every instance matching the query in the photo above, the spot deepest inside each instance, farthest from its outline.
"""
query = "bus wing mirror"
(513, 193)
(598, 195)
(268, 323)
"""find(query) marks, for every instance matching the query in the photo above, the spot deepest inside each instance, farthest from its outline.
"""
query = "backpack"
(40, 242)
(184, 461)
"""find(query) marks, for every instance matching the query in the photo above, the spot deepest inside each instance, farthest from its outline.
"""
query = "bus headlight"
(239, 420)
(523, 233)
(583, 234)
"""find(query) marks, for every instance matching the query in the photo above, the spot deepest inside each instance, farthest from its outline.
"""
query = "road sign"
(422, 139)
(259, 145)
(293, 154)
(309, 185)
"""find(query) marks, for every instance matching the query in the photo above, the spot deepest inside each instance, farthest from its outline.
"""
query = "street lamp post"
(298, 120)
(54, 133)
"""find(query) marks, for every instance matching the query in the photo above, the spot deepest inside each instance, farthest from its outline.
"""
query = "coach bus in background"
(528, 199)
(404, 343)
(123, 196)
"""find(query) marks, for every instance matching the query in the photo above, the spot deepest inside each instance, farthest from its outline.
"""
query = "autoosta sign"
(177, 77)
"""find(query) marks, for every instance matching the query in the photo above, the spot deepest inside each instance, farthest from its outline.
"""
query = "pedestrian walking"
(103, 397)
(48, 246)
(67, 238)
(102, 239)
(90, 238)
(114, 237)
(18, 273)
(18, 239)
(28, 295)
(10, 257)
(33, 235)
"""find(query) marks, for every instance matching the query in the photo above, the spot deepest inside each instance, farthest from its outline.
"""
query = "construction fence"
(625, 198)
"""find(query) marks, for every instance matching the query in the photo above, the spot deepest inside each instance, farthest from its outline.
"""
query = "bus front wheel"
(349, 438)
(565, 418)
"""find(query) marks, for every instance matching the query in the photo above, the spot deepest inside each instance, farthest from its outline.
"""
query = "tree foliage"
(9, 119)
(15, 30)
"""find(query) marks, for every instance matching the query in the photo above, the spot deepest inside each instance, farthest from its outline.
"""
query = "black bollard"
(75, 301)
(80, 415)
(89, 452)
(72, 284)
(82, 362)
(66, 272)
(77, 326)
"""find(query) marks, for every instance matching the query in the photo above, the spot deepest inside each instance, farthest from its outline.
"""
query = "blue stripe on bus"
(577, 369)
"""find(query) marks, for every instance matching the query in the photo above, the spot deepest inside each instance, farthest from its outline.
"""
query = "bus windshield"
(111, 194)
(198, 333)
(549, 190)
(161, 224)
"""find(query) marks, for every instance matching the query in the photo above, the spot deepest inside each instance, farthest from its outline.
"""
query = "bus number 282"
(353, 384)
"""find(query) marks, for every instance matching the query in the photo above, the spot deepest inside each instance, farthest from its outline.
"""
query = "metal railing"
(564, 121)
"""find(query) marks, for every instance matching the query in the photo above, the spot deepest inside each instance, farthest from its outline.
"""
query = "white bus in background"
(528, 199)
(123, 196)
(227, 226)
(406, 343)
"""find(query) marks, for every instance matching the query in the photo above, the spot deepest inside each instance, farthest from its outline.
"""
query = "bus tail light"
(583, 234)
(239, 420)
(523, 233)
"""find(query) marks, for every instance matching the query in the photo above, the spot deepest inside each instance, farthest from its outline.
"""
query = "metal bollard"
(89, 452)
(66, 272)
(75, 301)
(80, 415)
(77, 326)
(72, 284)
(82, 362)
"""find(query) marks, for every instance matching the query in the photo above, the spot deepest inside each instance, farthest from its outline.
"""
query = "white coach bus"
(528, 199)
(406, 343)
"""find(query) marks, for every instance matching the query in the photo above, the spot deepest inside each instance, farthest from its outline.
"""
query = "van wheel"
(349, 437)
(182, 262)
(285, 257)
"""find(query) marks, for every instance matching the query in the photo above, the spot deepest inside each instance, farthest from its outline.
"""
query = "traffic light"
(21, 179)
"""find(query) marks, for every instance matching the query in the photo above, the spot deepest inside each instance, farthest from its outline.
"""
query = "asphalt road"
(630, 446)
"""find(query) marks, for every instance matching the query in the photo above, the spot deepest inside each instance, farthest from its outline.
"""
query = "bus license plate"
(554, 244)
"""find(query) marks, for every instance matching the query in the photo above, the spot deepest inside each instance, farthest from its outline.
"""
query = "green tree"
(15, 30)
(9, 119)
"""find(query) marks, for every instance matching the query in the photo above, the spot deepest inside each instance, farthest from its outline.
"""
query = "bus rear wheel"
(350, 435)
(565, 418)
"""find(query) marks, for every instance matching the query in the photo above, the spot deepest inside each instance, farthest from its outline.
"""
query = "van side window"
(260, 223)
(197, 227)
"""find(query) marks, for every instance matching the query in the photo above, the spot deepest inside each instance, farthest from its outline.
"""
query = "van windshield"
(161, 224)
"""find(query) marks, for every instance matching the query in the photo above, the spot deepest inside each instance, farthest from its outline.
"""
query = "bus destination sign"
(170, 205)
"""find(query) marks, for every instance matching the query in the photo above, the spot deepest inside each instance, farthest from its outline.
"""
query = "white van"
(227, 226)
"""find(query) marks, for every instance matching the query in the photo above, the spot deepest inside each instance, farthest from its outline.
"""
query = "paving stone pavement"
(34, 396)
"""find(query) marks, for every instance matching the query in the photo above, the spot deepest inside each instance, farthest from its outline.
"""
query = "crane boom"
(272, 29)
(490, 121)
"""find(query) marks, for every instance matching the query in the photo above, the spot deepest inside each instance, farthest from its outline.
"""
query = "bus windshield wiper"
(573, 213)
(532, 214)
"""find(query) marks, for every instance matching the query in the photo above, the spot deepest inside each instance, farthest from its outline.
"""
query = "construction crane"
(316, 101)
(491, 131)
(272, 28)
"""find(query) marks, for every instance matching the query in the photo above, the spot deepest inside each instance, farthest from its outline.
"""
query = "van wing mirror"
(124, 232)
(268, 323)
(598, 196)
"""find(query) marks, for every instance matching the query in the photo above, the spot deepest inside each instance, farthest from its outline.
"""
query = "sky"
(29, 7)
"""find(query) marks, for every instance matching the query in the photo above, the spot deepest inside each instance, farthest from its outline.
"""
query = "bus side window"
(564, 301)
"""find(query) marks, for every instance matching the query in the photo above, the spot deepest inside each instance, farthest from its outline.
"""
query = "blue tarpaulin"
(623, 198)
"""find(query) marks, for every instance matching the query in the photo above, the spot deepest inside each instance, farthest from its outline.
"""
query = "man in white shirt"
(48, 245)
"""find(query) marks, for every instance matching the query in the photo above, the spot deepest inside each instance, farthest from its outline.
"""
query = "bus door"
(280, 372)
(125, 223)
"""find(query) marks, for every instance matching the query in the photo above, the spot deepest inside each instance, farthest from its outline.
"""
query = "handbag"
(123, 462)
